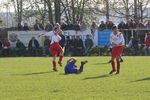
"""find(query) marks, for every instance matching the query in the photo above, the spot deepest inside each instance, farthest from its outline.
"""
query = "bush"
(105, 51)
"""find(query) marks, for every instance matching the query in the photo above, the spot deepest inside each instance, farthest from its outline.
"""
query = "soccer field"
(32, 78)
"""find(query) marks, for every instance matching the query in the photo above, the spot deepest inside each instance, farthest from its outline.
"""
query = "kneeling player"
(71, 68)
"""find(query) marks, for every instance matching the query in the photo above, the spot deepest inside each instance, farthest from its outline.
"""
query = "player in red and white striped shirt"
(117, 42)
(55, 48)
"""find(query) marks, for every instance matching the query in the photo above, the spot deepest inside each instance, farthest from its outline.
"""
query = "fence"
(25, 36)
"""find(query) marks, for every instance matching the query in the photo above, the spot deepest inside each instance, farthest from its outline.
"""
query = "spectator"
(109, 25)
(102, 26)
(147, 45)
(93, 28)
(38, 26)
(33, 46)
(83, 26)
(19, 27)
(64, 26)
(1, 47)
(20, 48)
(141, 33)
(88, 44)
(26, 27)
(49, 26)
(72, 46)
(47, 43)
(121, 27)
(130, 44)
(79, 46)
(62, 41)
(148, 26)
(6, 48)
(130, 25)
(70, 26)
(76, 26)
(135, 46)
(67, 47)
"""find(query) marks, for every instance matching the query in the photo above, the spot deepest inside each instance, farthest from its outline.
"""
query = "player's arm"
(111, 40)
(112, 43)
(121, 39)
(47, 34)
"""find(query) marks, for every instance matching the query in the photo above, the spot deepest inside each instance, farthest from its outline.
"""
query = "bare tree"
(78, 10)
(57, 10)
(18, 6)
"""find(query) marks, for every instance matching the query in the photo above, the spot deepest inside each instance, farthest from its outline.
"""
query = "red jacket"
(147, 41)
(6, 44)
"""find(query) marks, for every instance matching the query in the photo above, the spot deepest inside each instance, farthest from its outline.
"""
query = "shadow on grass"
(96, 77)
(144, 79)
(34, 73)
(63, 74)
(147, 91)
(70, 74)
(55, 91)
(102, 63)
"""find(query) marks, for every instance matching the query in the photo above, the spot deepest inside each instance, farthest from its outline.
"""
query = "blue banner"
(104, 37)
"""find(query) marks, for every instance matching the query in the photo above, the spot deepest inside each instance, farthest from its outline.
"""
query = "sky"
(4, 8)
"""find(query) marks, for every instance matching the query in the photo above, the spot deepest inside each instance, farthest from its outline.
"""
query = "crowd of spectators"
(125, 27)
(135, 33)
(74, 46)
(78, 26)
(140, 29)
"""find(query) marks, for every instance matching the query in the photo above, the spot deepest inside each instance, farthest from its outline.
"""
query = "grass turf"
(33, 79)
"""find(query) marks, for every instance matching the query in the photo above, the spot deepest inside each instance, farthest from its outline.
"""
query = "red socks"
(54, 64)
(60, 58)
(113, 65)
(118, 66)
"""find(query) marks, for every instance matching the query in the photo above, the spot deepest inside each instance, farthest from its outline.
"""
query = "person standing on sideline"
(71, 68)
(117, 42)
(55, 47)
(88, 44)
(33, 46)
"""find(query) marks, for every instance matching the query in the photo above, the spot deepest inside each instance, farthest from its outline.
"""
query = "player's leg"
(111, 54)
(120, 50)
(81, 66)
(60, 55)
(60, 59)
(54, 63)
(114, 55)
(118, 65)
(113, 66)
(121, 60)
(54, 55)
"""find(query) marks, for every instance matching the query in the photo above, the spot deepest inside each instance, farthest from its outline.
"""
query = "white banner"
(25, 36)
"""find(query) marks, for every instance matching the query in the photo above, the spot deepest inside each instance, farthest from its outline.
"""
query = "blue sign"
(104, 37)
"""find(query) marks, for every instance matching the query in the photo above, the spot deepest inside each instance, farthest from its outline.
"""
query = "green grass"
(32, 79)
